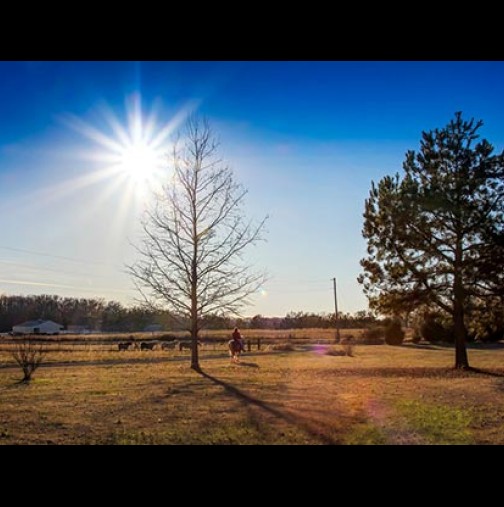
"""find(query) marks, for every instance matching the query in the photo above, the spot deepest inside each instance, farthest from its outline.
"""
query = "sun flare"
(132, 151)
(140, 161)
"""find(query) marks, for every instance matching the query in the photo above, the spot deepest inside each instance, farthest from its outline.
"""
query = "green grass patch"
(437, 424)
(124, 437)
(238, 433)
(365, 434)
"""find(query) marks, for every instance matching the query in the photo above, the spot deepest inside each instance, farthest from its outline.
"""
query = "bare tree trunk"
(194, 346)
(194, 320)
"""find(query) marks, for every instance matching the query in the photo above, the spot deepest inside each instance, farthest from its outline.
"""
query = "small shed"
(38, 326)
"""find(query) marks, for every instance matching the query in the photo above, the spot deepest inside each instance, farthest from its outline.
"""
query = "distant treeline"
(304, 320)
(100, 315)
(93, 314)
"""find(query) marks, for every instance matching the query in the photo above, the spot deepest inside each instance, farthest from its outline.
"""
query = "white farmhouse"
(37, 327)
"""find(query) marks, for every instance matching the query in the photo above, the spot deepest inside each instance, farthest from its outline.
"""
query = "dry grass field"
(382, 395)
(207, 335)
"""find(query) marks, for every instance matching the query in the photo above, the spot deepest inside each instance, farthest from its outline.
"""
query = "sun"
(140, 161)
(133, 150)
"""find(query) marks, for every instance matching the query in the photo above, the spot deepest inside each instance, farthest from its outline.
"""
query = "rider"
(237, 337)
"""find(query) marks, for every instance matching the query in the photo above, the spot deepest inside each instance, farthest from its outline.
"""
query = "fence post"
(258, 343)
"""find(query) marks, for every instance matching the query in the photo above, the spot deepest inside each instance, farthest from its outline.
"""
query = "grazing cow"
(147, 346)
(124, 345)
(187, 345)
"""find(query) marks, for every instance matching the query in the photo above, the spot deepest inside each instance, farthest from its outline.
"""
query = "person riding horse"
(236, 346)
(237, 337)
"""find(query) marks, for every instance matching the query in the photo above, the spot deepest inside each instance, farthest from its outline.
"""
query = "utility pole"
(336, 319)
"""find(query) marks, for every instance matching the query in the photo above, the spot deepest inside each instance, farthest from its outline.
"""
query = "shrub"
(335, 351)
(394, 333)
(433, 331)
(373, 336)
(348, 348)
(29, 357)
(492, 335)
(345, 349)
(347, 344)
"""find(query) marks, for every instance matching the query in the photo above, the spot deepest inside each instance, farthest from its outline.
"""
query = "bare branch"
(194, 236)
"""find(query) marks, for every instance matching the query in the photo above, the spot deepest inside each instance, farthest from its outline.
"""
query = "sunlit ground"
(394, 395)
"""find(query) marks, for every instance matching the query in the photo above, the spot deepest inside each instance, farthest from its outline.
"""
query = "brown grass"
(384, 394)
(346, 349)
(211, 335)
(283, 347)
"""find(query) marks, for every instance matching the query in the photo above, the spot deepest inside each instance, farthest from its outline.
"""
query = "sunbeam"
(135, 149)
(126, 161)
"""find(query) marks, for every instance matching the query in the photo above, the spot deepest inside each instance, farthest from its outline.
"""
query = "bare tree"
(29, 357)
(194, 236)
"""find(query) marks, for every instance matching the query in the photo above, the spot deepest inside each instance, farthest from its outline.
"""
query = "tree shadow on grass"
(421, 346)
(289, 418)
(488, 373)
(16, 384)
(439, 372)
(448, 345)
(246, 363)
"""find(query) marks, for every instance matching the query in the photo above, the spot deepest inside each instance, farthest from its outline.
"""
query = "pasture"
(315, 334)
(96, 394)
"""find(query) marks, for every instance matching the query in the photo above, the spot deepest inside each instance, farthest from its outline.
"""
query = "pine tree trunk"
(461, 360)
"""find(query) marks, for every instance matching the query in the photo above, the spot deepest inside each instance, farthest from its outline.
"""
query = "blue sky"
(306, 139)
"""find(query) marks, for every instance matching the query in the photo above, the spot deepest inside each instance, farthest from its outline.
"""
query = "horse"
(235, 349)
(124, 345)
(147, 345)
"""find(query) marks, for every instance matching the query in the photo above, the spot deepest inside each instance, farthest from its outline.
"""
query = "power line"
(291, 281)
(40, 269)
(94, 290)
(61, 257)
(294, 291)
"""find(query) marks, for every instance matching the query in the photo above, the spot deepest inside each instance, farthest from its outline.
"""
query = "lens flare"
(132, 150)
(140, 161)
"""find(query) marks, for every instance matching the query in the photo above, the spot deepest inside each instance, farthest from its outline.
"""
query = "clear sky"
(306, 139)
